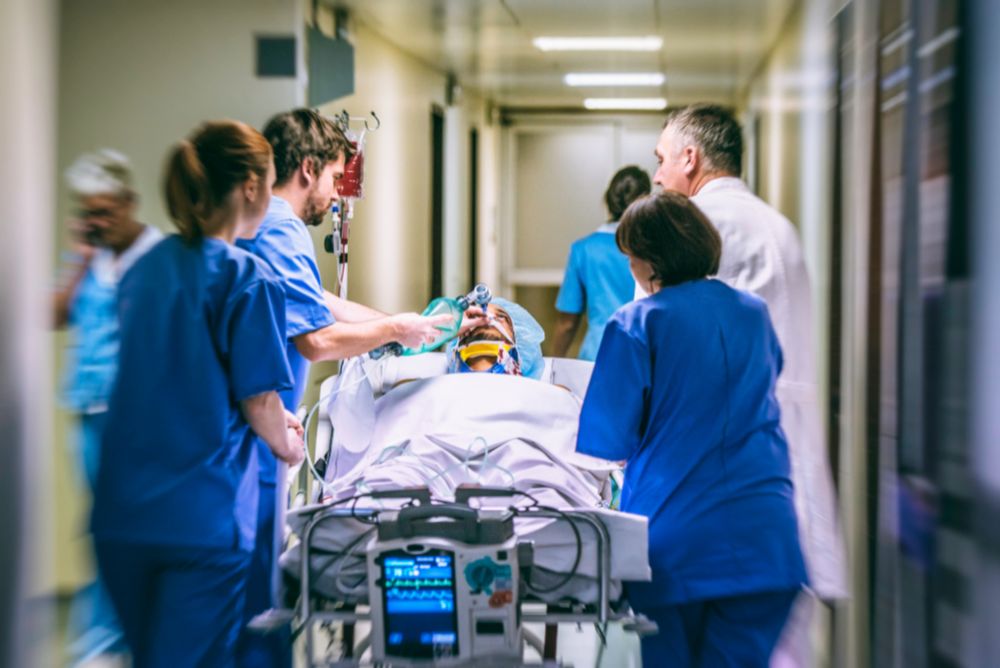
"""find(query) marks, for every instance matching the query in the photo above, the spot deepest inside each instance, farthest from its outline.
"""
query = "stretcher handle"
(278, 539)
(409, 516)
(421, 494)
(463, 493)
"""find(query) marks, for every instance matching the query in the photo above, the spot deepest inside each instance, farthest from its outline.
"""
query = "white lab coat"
(762, 255)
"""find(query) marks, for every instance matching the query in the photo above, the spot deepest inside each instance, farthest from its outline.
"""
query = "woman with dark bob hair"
(683, 393)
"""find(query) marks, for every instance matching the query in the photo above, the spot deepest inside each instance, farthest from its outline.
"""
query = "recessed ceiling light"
(610, 79)
(598, 43)
(625, 103)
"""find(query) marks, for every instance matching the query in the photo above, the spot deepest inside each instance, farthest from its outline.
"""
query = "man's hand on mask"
(413, 331)
(474, 317)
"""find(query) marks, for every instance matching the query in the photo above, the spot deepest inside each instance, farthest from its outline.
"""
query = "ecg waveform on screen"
(416, 583)
(419, 595)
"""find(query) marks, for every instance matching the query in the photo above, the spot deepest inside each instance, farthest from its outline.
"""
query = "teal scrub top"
(683, 392)
(93, 316)
(597, 281)
(283, 242)
(201, 328)
(91, 369)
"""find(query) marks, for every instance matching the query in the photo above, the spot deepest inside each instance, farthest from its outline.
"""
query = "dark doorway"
(473, 205)
(437, 202)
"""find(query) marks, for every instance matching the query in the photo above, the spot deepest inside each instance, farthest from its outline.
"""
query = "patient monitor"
(444, 583)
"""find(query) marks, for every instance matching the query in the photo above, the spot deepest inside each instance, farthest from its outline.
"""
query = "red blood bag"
(352, 183)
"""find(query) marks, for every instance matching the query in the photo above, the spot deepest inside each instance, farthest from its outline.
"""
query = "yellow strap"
(482, 349)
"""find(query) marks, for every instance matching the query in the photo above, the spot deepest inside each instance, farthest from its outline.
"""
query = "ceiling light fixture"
(599, 43)
(610, 79)
(625, 103)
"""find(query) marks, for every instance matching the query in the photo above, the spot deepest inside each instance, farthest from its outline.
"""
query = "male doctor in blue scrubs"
(309, 157)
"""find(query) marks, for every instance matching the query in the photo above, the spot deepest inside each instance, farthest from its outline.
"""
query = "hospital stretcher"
(599, 545)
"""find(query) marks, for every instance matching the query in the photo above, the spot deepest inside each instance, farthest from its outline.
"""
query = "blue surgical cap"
(529, 335)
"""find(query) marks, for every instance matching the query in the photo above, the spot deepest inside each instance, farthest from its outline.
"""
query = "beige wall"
(137, 75)
(788, 123)
(200, 54)
(793, 97)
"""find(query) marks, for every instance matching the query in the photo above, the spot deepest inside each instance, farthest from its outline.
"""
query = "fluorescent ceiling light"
(598, 43)
(620, 79)
(623, 103)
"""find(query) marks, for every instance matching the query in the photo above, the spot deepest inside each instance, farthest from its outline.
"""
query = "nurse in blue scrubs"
(201, 362)
(683, 393)
(597, 279)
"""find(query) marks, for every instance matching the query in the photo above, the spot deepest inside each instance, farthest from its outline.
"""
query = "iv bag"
(352, 183)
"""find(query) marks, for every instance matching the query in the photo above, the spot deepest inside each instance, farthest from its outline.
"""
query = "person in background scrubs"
(700, 152)
(683, 391)
(310, 152)
(597, 278)
(201, 363)
(107, 241)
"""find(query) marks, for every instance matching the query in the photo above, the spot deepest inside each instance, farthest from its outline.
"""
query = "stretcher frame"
(313, 610)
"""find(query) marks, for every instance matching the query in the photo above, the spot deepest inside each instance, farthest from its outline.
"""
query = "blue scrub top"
(683, 391)
(202, 327)
(284, 243)
(94, 318)
(597, 279)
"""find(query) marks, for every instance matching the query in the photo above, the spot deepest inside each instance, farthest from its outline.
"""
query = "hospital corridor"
(513, 333)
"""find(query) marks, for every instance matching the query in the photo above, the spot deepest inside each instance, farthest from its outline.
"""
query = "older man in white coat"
(700, 153)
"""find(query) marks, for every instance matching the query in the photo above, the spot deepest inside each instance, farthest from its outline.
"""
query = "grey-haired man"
(107, 240)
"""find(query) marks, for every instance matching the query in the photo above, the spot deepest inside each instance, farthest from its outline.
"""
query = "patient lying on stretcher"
(488, 421)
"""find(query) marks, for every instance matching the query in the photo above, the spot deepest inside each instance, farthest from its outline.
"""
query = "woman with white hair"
(107, 240)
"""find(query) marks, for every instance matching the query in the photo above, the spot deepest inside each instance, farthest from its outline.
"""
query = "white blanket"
(483, 429)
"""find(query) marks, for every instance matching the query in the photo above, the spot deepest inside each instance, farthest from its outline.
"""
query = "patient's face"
(500, 328)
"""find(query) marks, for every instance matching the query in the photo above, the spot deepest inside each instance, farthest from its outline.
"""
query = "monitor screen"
(418, 600)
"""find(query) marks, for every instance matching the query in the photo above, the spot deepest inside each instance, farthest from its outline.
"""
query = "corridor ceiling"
(711, 48)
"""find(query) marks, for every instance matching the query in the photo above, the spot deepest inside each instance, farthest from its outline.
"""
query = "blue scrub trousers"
(93, 627)
(178, 606)
(740, 631)
(274, 649)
